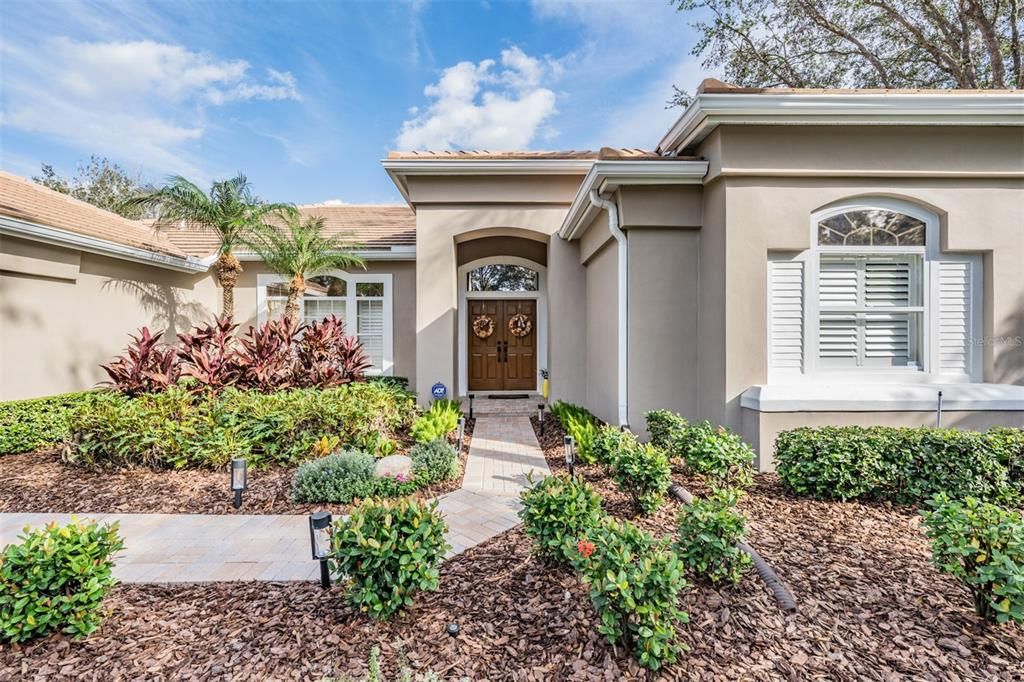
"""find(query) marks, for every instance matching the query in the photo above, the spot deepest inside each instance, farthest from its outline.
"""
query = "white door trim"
(541, 296)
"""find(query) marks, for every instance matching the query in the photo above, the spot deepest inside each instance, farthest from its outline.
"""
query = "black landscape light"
(570, 454)
(320, 543)
(239, 479)
(540, 417)
(452, 629)
(471, 396)
(462, 432)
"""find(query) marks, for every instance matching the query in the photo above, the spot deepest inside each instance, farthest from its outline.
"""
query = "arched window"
(873, 297)
(503, 277)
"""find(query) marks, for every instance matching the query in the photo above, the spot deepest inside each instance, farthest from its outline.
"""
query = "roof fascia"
(57, 237)
(403, 253)
(608, 176)
(709, 110)
(400, 169)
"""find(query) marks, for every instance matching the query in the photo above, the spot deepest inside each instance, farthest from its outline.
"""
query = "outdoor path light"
(471, 396)
(320, 542)
(453, 629)
(462, 431)
(540, 417)
(239, 479)
(570, 453)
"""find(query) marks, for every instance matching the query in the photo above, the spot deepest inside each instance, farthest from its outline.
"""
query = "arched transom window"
(503, 277)
(873, 297)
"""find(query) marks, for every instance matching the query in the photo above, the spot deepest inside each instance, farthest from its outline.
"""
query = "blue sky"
(306, 98)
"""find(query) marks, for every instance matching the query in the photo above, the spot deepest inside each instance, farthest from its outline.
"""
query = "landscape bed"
(870, 606)
(39, 482)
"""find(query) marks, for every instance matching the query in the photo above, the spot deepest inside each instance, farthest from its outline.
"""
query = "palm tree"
(301, 249)
(230, 210)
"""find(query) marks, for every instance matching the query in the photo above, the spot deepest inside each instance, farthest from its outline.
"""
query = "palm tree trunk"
(227, 268)
(296, 290)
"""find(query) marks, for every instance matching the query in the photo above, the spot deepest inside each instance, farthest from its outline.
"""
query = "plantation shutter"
(371, 330)
(838, 331)
(958, 282)
(786, 314)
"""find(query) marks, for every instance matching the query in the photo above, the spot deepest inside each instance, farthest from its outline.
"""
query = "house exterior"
(780, 258)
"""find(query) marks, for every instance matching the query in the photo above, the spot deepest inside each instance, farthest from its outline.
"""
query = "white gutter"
(708, 110)
(623, 302)
(51, 235)
(403, 253)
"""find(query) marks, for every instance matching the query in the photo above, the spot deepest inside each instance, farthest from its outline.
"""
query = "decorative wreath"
(483, 326)
(520, 325)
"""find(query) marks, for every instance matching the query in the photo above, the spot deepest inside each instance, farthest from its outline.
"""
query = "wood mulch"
(870, 607)
(39, 482)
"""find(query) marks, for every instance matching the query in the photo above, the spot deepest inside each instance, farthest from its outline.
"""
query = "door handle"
(506, 351)
(499, 351)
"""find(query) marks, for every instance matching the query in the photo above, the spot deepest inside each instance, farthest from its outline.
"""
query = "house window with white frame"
(363, 302)
(874, 299)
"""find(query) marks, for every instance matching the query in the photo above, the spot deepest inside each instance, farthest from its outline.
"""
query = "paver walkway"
(202, 547)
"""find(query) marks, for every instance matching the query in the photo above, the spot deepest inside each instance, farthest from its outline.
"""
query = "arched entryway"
(502, 324)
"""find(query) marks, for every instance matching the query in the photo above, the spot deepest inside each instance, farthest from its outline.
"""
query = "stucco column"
(436, 304)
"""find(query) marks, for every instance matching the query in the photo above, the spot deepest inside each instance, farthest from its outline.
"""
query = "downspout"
(623, 307)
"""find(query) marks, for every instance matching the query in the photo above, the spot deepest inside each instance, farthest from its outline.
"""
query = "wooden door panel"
(485, 366)
(520, 367)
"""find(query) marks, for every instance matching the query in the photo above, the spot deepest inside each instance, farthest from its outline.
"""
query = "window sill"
(881, 397)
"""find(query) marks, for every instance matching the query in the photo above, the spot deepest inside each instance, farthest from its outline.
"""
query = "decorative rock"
(392, 465)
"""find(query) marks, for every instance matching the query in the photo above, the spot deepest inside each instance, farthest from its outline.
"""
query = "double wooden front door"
(502, 361)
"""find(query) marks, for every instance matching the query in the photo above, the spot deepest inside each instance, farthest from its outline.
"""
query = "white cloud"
(141, 101)
(485, 106)
(335, 202)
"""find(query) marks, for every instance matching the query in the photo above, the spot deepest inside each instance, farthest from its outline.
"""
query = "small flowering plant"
(401, 477)
(585, 548)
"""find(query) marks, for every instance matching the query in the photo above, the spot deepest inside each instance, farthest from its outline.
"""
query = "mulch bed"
(41, 482)
(870, 606)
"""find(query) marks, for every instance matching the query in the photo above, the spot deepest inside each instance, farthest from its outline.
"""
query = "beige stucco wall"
(663, 312)
(602, 333)
(64, 312)
(761, 428)
(567, 322)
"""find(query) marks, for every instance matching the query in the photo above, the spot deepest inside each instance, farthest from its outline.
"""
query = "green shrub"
(716, 453)
(437, 422)
(577, 422)
(385, 552)
(1008, 447)
(900, 464)
(178, 428)
(27, 425)
(338, 478)
(662, 426)
(434, 461)
(557, 510)
(642, 471)
(635, 582)
(56, 578)
(708, 531)
(609, 441)
(982, 545)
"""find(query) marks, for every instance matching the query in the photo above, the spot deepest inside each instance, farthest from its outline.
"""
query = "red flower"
(585, 548)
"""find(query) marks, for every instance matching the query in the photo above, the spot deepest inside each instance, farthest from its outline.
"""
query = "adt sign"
(439, 390)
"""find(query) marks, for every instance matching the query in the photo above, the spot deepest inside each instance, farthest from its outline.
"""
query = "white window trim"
(541, 296)
(929, 254)
(351, 307)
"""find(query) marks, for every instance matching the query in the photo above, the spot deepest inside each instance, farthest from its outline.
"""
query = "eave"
(22, 229)
(709, 110)
(608, 176)
(401, 169)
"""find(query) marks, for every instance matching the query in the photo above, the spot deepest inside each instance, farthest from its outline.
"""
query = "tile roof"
(715, 86)
(29, 201)
(372, 227)
(487, 155)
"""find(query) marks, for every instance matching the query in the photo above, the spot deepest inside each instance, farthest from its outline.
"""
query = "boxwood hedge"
(905, 465)
(27, 425)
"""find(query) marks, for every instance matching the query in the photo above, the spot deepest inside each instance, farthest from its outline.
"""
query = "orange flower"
(586, 548)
